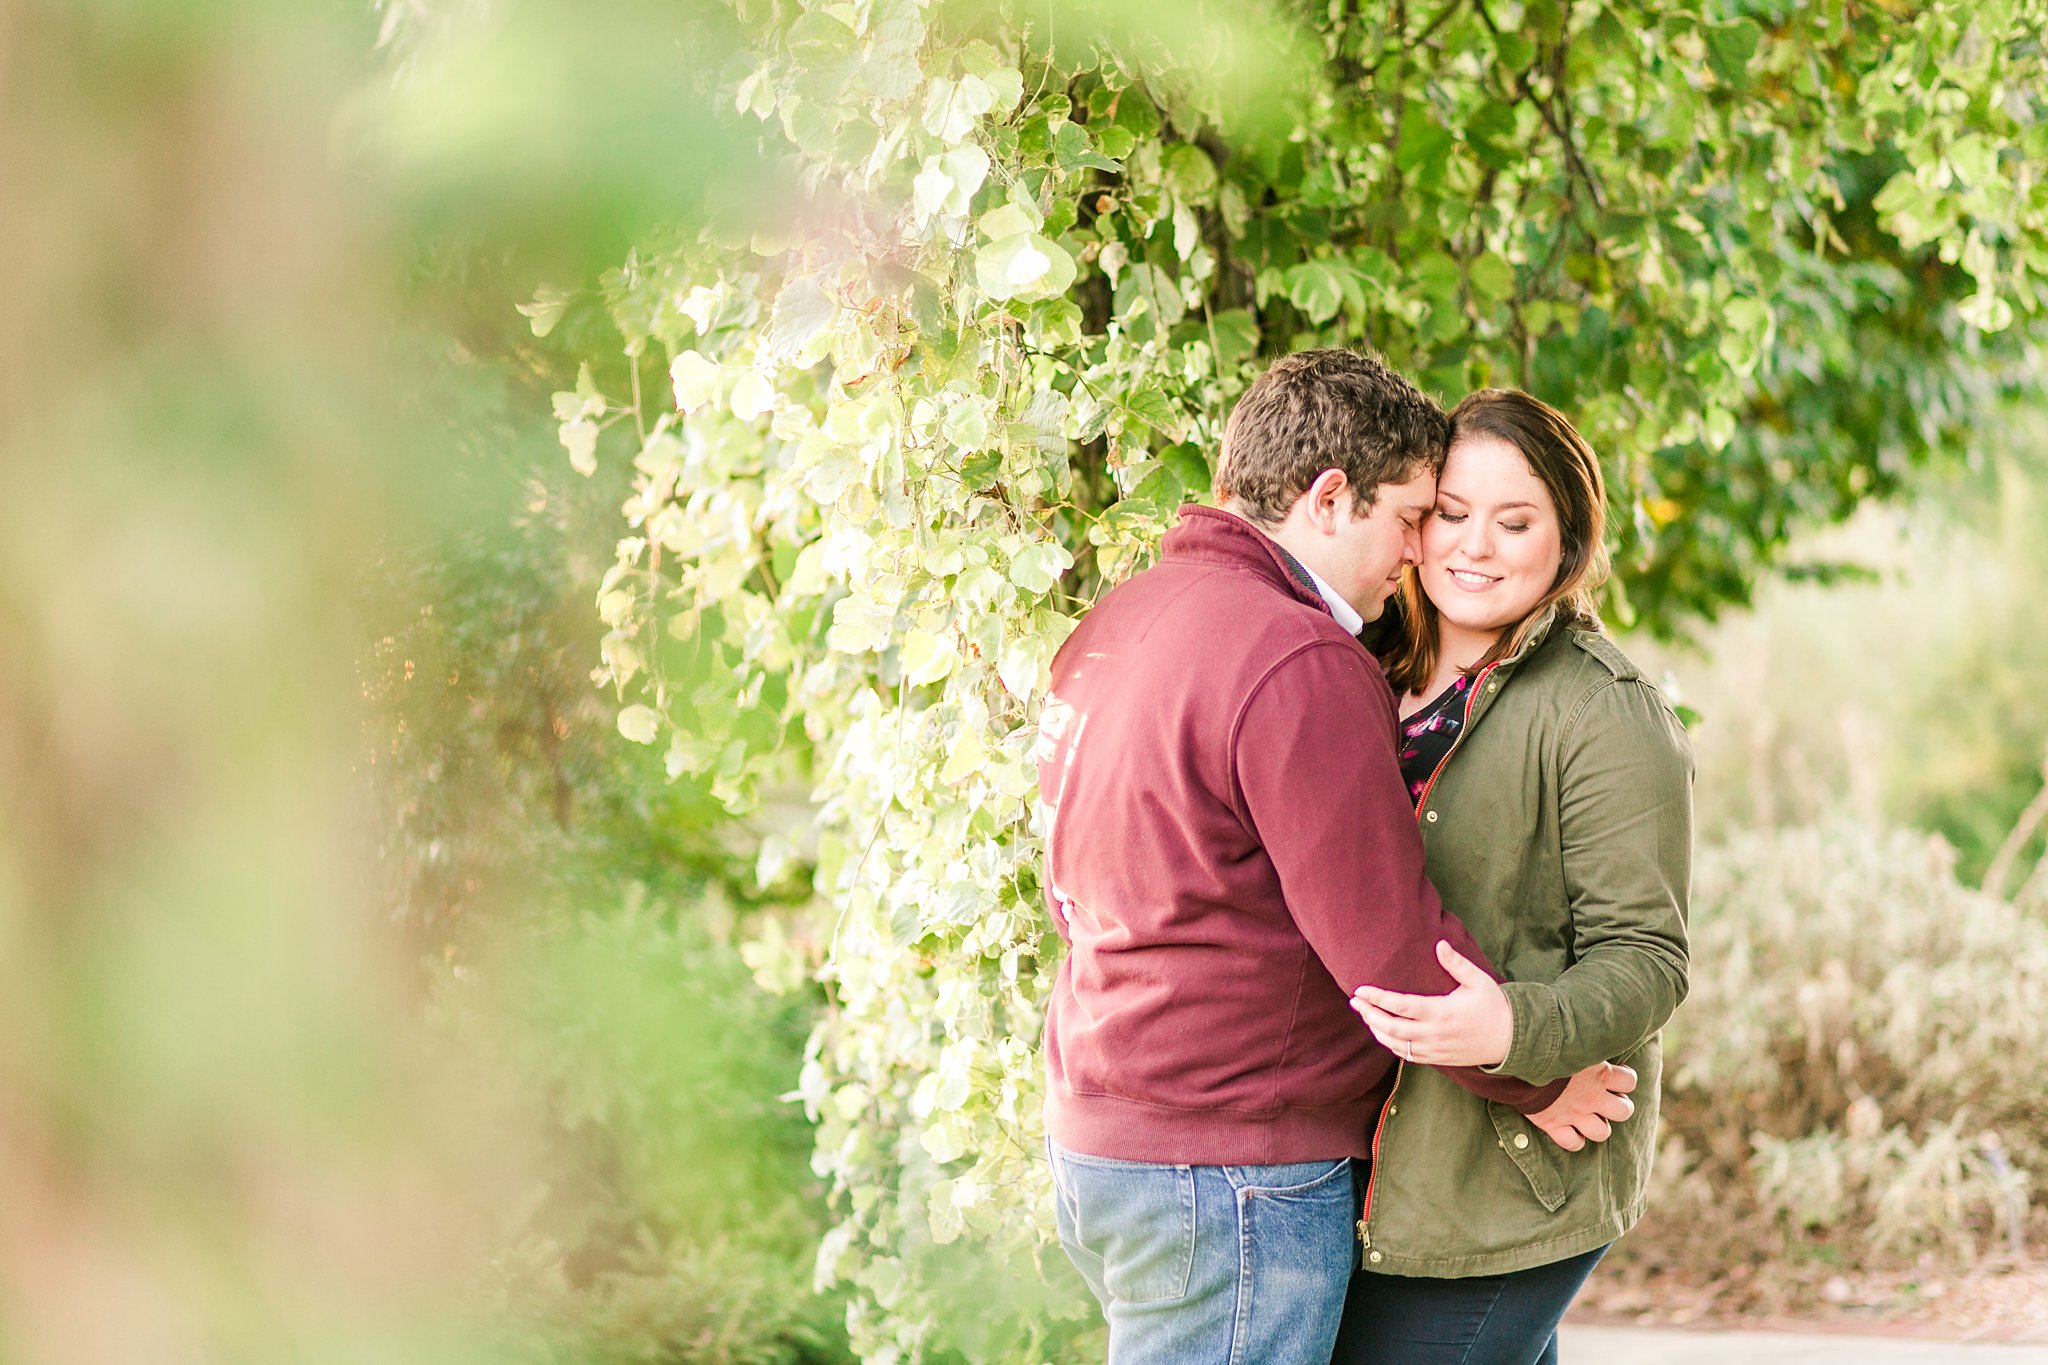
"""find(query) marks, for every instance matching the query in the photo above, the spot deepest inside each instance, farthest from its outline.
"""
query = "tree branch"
(2016, 839)
(1575, 165)
(1428, 31)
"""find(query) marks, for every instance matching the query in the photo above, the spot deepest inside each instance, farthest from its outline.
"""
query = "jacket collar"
(1212, 535)
(1538, 633)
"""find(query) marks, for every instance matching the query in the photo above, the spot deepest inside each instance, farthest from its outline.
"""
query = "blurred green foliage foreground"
(367, 996)
(360, 1001)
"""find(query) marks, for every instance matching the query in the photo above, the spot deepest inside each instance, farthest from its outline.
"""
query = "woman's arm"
(1625, 824)
(1625, 830)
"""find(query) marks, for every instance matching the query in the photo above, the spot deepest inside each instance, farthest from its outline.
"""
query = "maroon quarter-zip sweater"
(1230, 851)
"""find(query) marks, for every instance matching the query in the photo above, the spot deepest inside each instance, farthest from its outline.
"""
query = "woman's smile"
(1492, 547)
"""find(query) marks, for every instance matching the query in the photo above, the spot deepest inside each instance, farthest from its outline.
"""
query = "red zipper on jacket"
(1401, 1067)
(1471, 700)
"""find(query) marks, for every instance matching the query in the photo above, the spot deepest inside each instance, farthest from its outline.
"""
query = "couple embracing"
(1354, 1052)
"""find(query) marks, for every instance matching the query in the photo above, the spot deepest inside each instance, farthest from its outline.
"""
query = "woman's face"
(1492, 548)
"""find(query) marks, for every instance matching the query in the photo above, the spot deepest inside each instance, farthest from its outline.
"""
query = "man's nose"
(1411, 546)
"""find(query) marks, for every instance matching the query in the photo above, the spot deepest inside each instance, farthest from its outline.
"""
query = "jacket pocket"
(1534, 1155)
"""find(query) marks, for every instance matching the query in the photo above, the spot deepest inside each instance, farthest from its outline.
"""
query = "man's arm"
(1319, 780)
(1474, 1026)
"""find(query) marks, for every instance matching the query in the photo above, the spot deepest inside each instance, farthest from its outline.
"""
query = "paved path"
(1582, 1345)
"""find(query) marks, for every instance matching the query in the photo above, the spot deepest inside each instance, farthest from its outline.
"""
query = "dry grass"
(1854, 1108)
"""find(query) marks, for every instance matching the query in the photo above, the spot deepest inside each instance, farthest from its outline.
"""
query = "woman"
(1553, 787)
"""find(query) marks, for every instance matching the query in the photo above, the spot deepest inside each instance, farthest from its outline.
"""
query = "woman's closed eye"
(1458, 519)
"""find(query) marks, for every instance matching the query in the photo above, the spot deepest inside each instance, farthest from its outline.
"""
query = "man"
(1231, 852)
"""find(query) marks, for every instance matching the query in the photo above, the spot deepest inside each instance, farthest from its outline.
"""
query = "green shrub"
(1855, 1078)
(677, 1222)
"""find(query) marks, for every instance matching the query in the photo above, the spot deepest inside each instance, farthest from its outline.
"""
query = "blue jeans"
(1482, 1320)
(1210, 1265)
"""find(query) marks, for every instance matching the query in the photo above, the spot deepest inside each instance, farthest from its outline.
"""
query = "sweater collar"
(1217, 536)
(1339, 608)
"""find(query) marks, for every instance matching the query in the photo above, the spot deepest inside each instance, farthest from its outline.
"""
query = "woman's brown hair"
(1567, 467)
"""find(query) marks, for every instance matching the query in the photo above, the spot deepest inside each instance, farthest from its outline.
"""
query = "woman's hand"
(1472, 1026)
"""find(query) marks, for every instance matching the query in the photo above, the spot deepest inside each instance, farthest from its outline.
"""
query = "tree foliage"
(1768, 255)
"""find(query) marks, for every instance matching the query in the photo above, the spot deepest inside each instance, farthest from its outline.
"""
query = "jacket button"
(1431, 817)
(1493, 687)
(1521, 1139)
(1373, 1256)
(1392, 1110)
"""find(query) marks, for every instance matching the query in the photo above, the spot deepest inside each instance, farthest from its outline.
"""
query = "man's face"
(1368, 550)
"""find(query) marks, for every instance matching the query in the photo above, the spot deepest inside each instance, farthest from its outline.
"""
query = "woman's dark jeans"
(1485, 1320)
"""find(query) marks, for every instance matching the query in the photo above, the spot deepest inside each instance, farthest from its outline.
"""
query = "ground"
(1998, 1302)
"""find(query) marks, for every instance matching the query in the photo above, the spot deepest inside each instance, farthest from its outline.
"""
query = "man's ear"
(1330, 492)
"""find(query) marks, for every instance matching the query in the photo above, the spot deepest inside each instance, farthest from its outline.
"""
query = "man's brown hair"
(1326, 409)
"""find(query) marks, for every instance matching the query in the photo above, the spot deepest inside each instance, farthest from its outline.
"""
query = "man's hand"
(1472, 1026)
(1593, 1101)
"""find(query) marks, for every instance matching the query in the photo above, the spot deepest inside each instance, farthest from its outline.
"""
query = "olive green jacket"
(1559, 829)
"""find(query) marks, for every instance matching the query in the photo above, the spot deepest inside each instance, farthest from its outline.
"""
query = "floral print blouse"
(1427, 736)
